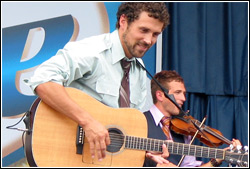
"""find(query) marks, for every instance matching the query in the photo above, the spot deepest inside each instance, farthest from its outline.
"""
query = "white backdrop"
(92, 18)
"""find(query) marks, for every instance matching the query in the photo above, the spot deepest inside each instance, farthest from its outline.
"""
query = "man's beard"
(132, 48)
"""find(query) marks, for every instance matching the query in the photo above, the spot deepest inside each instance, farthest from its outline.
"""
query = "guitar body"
(52, 142)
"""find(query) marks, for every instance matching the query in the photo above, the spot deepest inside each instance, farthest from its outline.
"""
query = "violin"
(187, 125)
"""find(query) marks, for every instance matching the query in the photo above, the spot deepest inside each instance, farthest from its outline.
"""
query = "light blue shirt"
(93, 66)
(188, 161)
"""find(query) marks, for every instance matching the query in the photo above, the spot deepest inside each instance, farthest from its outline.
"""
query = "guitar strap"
(28, 120)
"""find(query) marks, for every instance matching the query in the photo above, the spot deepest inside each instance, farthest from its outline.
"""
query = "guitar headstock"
(239, 156)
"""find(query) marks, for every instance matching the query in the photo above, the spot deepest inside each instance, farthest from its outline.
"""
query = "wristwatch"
(214, 163)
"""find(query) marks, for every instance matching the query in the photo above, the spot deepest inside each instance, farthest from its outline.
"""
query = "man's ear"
(159, 95)
(123, 21)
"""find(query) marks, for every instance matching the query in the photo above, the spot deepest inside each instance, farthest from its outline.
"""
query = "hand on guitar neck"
(161, 158)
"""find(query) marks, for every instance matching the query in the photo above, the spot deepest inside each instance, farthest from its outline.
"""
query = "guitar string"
(186, 152)
(117, 140)
(120, 137)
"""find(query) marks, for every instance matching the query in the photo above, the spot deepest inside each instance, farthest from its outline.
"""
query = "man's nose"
(148, 39)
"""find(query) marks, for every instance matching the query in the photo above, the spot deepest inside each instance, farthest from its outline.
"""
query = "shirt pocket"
(107, 87)
(137, 96)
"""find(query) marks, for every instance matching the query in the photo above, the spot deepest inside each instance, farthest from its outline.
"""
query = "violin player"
(163, 107)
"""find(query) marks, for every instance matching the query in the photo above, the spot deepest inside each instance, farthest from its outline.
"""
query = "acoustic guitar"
(53, 139)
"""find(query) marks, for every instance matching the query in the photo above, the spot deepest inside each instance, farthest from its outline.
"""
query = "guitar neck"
(148, 144)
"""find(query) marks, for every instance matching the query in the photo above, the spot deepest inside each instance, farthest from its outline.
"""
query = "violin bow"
(191, 142)
(172, 99)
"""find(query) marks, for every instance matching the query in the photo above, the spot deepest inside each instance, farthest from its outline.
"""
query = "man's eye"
(156, 34)
(144, 30)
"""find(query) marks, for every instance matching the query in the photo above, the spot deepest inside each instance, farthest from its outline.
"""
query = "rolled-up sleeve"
(93, 66)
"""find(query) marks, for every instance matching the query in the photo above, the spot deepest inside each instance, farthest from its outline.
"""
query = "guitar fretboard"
(147, 144)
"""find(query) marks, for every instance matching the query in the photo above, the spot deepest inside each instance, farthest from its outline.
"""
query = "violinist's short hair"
(164, 78)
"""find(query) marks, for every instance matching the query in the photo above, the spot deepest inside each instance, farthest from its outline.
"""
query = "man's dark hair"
(132, 10)
(164, 78)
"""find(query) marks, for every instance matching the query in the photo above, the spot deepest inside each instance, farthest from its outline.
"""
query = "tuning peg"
(246, 149)
(231, 147)
(238, 147)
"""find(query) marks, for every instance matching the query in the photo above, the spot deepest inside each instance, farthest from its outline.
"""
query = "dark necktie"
(165, 121)
(124, 90)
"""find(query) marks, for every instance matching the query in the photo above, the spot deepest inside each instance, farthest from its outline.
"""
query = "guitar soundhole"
(117, 140)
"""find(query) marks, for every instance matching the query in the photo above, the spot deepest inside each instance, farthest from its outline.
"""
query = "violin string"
(207, 129)
(218, 136)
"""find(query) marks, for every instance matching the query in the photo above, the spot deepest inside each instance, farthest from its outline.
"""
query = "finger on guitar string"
(157, 157)
(99, 151)
(102, 140)
(103, 147)
(165, 152)
(107, 139)
(92, 148)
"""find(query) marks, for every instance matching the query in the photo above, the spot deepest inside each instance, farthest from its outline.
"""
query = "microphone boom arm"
(165, 91)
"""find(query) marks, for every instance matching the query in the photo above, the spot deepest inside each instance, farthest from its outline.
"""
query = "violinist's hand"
(235, 143)
(159, 158)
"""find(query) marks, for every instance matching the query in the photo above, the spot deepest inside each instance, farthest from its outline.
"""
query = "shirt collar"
(157, 115)
(117, 49)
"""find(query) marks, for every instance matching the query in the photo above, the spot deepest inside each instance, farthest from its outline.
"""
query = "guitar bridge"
(79, 140)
